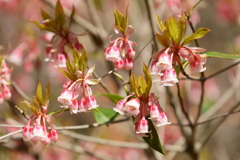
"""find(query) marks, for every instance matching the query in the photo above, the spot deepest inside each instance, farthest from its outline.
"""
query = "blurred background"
(20, 38)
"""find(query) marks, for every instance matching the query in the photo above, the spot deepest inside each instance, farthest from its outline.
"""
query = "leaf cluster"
(121, 21)
(80, 64)
(39, 100)
(56, 24)
(174, 30)
(141, 86)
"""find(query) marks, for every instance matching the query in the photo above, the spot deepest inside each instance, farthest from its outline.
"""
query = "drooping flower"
(77, 94)
(121, 51)
(37, 129)
(175, 51)
(142, 104)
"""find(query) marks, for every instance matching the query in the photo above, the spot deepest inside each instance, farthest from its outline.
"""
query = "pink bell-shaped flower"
(128, 63)
(154, 69)
(62, 59)
(65, 98)
(119, 64)
(74, 107)
(91, 102)
(82, 105)
(120, 107)
(197, 67)
(38, 133)
(132, 107)
(54, 135)
(164, 61)
(47, 140)
(162, 120)
(112, 53)
(142, 126)
(154, 112)
(26, 132)
(131, 53)
(169, 77)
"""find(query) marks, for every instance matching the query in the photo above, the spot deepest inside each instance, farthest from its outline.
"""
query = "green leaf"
(160, 23)
(35, 105)
(196, 35)
(142, 84)
(83, 61)
(173, 30)
(222, 55)
(103, 115)
(153, 140)
(46, 16)
(70, 67)
(29, 105)
(113, 97)
(76, 57)
(148, 79)
(182, 26)
(163, 39)
(58, 111)
(59, 14)
(42, 26)
(39, 95)
(133, 84)
(72, 14)
(119, 20)
(66, 74)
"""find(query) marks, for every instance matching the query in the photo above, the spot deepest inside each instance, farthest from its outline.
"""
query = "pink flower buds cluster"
(5, 78)
(37, 130)
(140, 110)
(166, 58)
(59, 48)
(121, 51)
(79, 88)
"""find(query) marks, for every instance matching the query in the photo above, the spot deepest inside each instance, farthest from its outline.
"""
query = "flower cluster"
(59, 35)
(142, 104)
(5, 78)
(175, 50)
(78, 88)
(167, 57)
(134, 106)
(120, 50)
(79, 85)
(59, 48)
(37, 129)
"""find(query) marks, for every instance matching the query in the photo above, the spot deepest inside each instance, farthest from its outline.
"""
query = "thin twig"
(224, 69)
(217, 117)
(94, 125)
(182, 105)
(177, 114)
(105, 141)
(10, 134)
(143, 48)
(10, 125)
(150, 10)
(101, 82)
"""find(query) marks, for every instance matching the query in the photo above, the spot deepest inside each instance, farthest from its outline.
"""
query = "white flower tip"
(158, 125)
